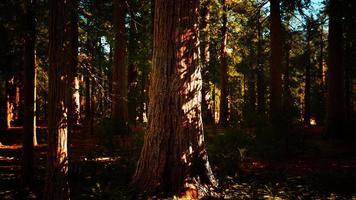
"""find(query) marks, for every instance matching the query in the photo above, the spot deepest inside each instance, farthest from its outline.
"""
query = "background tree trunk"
(335, 99)
(223, 70)
(307, 87)
(9, 98)
(29, 126)
(174, 159)
(57, 176)
(276, 66)
(119, 71)
(261, 89)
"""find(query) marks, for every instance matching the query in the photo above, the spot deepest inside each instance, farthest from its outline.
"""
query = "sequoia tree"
(174, 158)
(57, 158)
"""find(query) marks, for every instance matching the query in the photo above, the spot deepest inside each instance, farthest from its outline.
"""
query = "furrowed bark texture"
(174, 159)
(57, 175)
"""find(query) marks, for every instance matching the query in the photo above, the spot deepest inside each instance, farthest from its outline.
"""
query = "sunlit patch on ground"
(102, 159)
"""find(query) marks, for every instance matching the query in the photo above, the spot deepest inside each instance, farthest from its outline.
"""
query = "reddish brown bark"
(56, 186)
(205, 61)
(173, 158)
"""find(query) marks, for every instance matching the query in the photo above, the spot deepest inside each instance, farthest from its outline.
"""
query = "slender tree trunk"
(321, 62)
(335, 100)
(214, 104)
(119, 78)
(276, 66)
(3, 104)
(307, 87)
(92, 107)
(56, 186)
(223, 70)
(88, 104)
(10, 95)
(174, 159)
(321, 77)
(17, 105)
(29, 126)
(348, 81)
(251, 79)
(287, 95)
(132, 75)
(261, 88)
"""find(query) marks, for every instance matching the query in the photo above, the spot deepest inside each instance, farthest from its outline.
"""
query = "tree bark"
(223, 70)
(29, 126)
(119, 71)
(276, 66)
(205, 61)
(336, 96)
(174, 158)
(56, 186)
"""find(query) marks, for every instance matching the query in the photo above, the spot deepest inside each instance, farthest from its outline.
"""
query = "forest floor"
(312, 168)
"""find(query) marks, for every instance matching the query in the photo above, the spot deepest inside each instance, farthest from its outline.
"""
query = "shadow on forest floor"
(312, 168)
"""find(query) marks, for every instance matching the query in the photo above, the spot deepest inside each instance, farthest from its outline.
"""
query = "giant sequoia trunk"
(174, 158)
(335, 99)
(223, 70)
(119, 71)
(276, 66)
(29, 126)
(57, 180)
